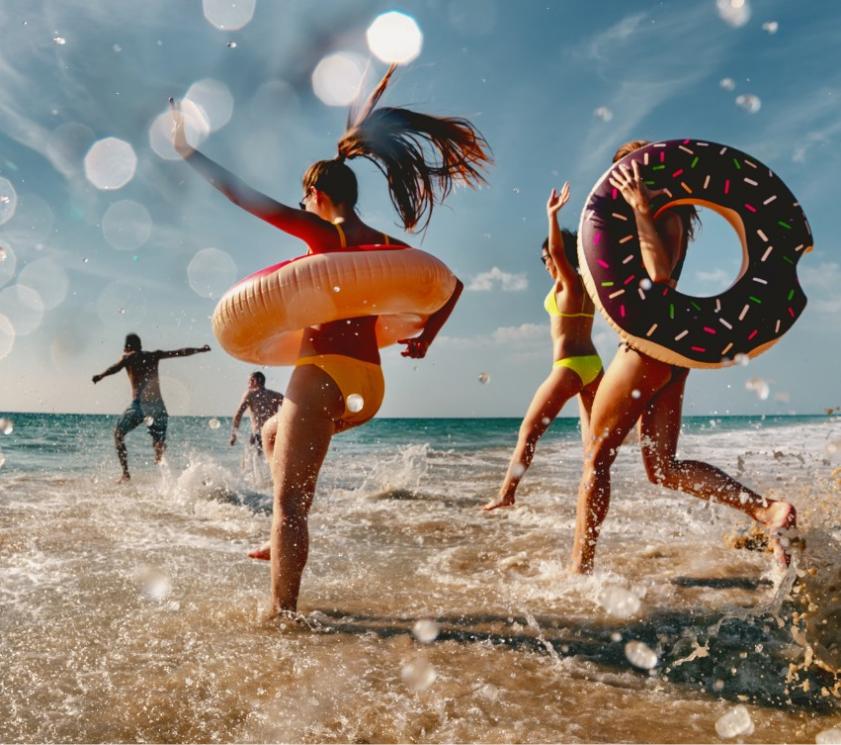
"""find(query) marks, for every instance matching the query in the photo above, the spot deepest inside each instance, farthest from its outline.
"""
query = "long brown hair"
(687, 213)
(421, 156)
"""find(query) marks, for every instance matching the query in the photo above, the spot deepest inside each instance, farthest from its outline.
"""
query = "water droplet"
(214, 423)
(749, 102)
(635, 393)
(232, 45)
(828, 737)
(59, 40)
(760, 387)
(85, 260)
(336, 288)
(426, 631)
(771, 27)
(117, 48)
(728, 84)
(122, 311)
(484, 378)
(355, 403)
(640, 655)
(734, 723)
(337, 78)
(645, 283)
(156, 585)
(718, 685)
(616, 637)
(418, 674)
(741, 359)
(149, 421)
(603, 113)
(7, 426)
(621, 603)
(517, 470)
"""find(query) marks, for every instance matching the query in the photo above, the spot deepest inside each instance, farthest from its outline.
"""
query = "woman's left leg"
(659, 432)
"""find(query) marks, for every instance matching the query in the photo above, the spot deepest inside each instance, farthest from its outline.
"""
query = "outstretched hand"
(557, 199)
(415, 347)
(631, 186)
(205, 348)
(179, 131)
(96, 379)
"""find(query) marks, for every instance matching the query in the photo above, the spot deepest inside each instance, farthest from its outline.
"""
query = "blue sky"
(530, 75)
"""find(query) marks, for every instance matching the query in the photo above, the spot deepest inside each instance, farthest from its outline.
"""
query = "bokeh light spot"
(8, 200)
(337, 78)
(126, 225)
(48, 279)
(228, 15)
(110, 164)
(211, 272)
(394, 37)
(214, 100)
(23, 307)
(7, 336)
(196, 127)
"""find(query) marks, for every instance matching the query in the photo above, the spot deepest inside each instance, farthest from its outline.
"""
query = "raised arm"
(660, 244)
(418, 346)
(185, 352)
(305, 225)
(116, 367)
(238, 418)
(556, 239)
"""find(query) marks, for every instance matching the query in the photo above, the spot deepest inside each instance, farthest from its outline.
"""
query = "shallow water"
(132, 613)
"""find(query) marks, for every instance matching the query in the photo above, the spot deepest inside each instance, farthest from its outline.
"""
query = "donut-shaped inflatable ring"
(746, 319)
(261, 319)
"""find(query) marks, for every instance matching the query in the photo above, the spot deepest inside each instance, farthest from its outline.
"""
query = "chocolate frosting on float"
(662, 322)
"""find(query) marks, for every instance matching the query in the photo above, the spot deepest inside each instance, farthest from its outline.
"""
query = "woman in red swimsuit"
(422, 157)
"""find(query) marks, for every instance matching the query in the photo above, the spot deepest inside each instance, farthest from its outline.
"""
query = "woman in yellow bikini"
(422, 158)
(577, 368)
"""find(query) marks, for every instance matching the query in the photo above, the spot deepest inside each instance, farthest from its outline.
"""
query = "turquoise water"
(132, 613)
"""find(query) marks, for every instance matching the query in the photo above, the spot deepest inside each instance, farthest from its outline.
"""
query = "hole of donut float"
(714, 259)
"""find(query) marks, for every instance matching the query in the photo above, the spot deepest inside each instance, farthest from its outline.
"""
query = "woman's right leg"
(561, 385)
(629, 383)
(305, 427)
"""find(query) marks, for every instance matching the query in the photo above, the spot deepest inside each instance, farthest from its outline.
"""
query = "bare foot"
(124, 478)
(781, 524)
(498, 503)
(264, 553)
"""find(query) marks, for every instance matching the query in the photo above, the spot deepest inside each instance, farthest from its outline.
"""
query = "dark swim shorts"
(138, 412)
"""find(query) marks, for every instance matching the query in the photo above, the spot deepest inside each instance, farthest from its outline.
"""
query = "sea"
(131, 612)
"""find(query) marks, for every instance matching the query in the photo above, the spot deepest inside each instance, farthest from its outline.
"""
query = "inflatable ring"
(261, 319)
(664, 323)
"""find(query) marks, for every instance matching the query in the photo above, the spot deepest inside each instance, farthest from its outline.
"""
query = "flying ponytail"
(421, 156)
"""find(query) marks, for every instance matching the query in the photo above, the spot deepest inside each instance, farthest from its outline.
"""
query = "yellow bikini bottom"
(587, 366)
(361, 383)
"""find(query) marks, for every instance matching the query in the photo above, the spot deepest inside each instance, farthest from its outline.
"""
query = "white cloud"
(495, 277)
(525, 332)
(717, 276)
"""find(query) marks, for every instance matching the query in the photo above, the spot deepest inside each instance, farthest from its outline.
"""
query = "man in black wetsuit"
(147, 404)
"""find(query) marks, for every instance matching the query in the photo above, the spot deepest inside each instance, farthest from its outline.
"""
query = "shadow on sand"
(731, 657)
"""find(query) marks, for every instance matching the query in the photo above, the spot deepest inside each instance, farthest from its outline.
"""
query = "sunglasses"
(303, 203)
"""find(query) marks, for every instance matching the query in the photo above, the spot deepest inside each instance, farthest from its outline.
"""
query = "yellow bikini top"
(551, 305)
(343, 239)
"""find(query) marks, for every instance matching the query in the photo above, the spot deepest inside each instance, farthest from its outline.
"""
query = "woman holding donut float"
(577, 367)
(337, 382)
(634, 234)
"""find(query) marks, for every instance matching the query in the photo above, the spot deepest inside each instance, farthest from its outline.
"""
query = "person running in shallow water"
(637, 387)
(577, 367)
(147, 404)
(422, 157)
(262, 404)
